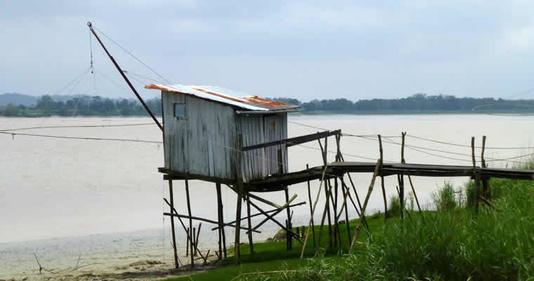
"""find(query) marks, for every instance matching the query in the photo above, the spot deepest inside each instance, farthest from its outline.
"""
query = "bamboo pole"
(358, 211)
(271, 217)
(311, 211)
(175, 252)
(369, 191)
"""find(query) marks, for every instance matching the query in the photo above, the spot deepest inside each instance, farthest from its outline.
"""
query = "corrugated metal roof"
(226, 96)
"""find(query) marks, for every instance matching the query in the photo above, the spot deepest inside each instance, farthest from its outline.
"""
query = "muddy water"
(106, 197)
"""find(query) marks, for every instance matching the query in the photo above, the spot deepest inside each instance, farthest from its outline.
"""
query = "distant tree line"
(82, 106)
(414, 104)
(418, 103)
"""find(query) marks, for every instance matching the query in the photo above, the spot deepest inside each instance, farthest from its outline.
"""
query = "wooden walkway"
(278, 182)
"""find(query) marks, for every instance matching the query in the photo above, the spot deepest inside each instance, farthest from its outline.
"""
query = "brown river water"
(96, 206)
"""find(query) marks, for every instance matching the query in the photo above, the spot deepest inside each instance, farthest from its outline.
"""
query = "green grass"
(453, 243)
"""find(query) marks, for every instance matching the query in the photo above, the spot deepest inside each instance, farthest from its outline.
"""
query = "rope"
(81, 138)
(132, 55)
(468, 146)
(75, 126)
(74, 81)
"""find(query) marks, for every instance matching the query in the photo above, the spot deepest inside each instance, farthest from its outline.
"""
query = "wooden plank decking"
(277, 182)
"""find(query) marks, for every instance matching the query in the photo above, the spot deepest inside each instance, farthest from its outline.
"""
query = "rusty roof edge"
(213, 93)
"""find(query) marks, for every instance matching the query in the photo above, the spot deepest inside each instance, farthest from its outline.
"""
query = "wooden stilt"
(312, 225)
(188, 239)
(289, 244)
(194, 240)
(186, 229)
(239, 190)
(401, 178)
(222, 234)
(250, 241)
(197, 237)
(289, 225)
(238, 229)
(382, 177)
(345, 206)
(337, 233)
(191, 240)
(328, 215)
(173, 233)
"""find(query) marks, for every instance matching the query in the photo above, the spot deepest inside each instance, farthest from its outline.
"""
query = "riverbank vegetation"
(419, 103)
(452, 242)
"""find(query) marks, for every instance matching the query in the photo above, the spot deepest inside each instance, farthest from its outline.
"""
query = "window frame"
(184, 111)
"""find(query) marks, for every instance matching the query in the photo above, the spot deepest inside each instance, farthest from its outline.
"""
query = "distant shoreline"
(311, 113)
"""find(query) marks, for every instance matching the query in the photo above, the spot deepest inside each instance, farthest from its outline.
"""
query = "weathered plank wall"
(202, 143)
(261, 128)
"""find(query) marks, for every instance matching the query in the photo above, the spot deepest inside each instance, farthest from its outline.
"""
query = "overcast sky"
(302, 49)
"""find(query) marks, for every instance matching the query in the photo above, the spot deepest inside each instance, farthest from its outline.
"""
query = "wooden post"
(171, 198)
(289, 243)
(485, 181)
(475, 174)
(311, 211)
(222, 235)
(195, 240)
(382, 177)
(191, 237)
(250, 241)
(345, 194)
(187, 245)
(336, 221)
(328, 215)
(197, 237)
(239, 190)
(401, 179)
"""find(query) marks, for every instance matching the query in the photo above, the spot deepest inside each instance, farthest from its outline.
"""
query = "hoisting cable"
(145, 106)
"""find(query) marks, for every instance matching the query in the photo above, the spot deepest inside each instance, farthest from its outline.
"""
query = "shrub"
(445, 198)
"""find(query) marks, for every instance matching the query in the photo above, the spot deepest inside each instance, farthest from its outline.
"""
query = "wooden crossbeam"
(295, 140)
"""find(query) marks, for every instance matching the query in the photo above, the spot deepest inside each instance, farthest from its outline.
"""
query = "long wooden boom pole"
(90, 25)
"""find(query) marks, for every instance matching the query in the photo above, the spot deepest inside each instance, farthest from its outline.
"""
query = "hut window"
(179, 110)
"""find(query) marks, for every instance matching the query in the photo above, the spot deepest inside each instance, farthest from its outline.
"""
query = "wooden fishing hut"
(205, 131)
(205, 127)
